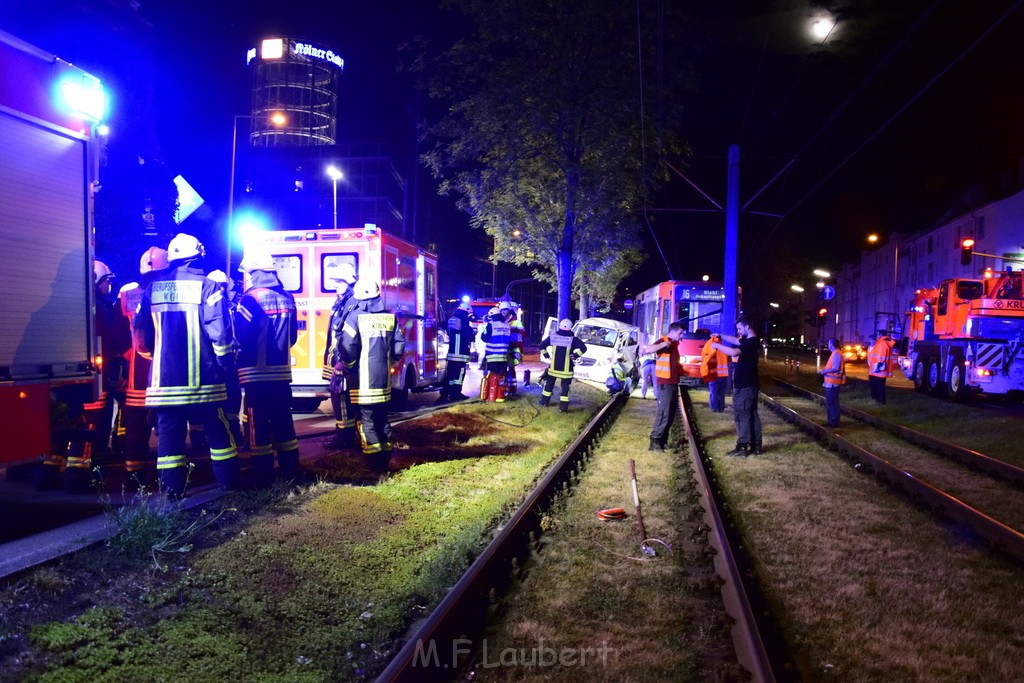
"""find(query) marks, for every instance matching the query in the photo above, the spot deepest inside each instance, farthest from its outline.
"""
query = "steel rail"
(444, 633)
(998, 534)
(765, 660)
(966, 456)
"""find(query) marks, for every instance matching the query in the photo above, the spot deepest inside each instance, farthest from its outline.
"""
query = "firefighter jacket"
(835, 372)
(714, 364)
(332, 351)
(497, 335)
(371, 342)
(517, 341)
(138, 362)
(880, 357)
(183, 321)
(560, 351)
(266, 329)
(460, 336)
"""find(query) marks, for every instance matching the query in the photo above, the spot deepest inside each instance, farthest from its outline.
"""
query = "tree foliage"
(543, 141)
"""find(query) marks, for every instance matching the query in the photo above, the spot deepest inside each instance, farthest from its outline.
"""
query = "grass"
(320, 587)
(868, 586)
(591, 595)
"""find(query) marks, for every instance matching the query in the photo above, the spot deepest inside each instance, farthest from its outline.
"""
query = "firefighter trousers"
(549, 390)
(375, 429)
(346, 417)
(138, 459)
(268, 406)
(171, 425)
(455, 375)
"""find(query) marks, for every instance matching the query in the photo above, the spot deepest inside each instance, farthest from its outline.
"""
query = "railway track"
(971, 488)
(462, 613)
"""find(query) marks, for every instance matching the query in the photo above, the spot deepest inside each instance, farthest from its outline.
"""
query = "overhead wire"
(898, 112)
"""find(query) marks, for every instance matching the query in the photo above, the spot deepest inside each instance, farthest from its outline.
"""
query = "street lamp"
(873, 239)
(278, 119)
(335, 175)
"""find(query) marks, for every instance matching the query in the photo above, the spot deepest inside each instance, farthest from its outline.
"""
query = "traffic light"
(822, 312)
(966, 251)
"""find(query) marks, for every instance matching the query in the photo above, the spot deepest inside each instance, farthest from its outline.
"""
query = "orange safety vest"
(666, 363)
(713, 363)
(836, 378)
(880, 358)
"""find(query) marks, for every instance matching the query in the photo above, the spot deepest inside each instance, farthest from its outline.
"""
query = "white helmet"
(152, 259)
(566, 324)
(257, 259)
(505, 305)
(344, 272)
(366, 289)
(218, 276)
(185, 247)
(100, 270)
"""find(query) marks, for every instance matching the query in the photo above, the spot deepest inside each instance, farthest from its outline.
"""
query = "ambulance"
(306, 260)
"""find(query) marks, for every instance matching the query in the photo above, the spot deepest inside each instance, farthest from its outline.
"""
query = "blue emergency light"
(83, 95)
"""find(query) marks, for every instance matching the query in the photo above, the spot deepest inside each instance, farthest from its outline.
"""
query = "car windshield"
(598, 336)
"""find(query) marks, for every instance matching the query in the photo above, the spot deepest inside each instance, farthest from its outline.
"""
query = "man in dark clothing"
(746, 348)
(460, 343)
(266, 329)
(666, 380)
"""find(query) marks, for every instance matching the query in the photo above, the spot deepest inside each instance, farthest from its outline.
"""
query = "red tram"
(697, 305)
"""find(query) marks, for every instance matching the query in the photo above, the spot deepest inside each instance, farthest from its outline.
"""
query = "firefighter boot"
(563, 405)
(288, 462)
(173, 481)
(226, 472)
(261, 470)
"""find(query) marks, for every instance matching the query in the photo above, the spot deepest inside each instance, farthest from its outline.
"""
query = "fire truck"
(966, 336)
(305, 261)
(48, 171)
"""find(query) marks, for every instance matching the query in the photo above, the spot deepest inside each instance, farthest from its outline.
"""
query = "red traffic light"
(966, 251)
(967, 243)
(822, 312)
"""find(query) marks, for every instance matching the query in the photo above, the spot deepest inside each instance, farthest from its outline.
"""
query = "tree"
(543, 141)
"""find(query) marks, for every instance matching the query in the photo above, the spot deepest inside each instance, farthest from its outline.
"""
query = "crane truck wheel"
(920, 384)
(935, 384)
(958, 381)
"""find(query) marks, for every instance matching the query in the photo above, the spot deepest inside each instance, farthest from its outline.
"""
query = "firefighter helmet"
(257, 259)
(505, 305)
(185, 247)
(366, 289)
(345, 272)
(218, 276)
(100, 271)
(494, 313)
(465, 306)
(566, 324)
(153, 259)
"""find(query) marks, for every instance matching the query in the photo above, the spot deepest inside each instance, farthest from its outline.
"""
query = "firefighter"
(183, 322)
(561, 351)
(346, 414)
(880, 366)
(93, 440)
(371, 342)
(136, 416)
(618, 377)
(496, 335)
(517, 341)
(834, 376)
(266, 328)
(460, 343)
(233, 406)
(714, 371)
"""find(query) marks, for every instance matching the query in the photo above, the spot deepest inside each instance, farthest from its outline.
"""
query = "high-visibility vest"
(836, 378)
(666, 363)
(880, 358)
(713, 363)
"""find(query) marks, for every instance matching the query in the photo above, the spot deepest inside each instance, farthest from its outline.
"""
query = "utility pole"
(732, 227)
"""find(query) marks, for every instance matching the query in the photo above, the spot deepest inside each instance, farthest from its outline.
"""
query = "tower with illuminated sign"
(298, 80)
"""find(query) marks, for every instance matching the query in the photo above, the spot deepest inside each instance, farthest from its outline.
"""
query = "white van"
(606, 340)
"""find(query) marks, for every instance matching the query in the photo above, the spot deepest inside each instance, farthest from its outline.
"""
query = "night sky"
(761, 81)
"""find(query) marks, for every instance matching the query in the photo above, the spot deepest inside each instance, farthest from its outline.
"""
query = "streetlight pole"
(335, 175)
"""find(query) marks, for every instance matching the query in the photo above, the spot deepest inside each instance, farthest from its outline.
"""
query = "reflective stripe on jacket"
(460, 336)
(666, 362)
(497, 336)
